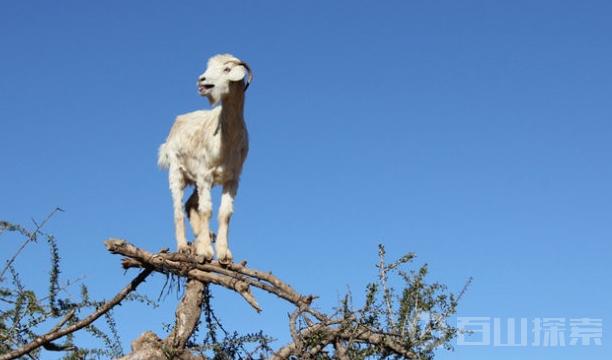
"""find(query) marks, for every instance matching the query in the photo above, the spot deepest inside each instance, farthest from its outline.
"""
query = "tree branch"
(187, 314)
(235, 277)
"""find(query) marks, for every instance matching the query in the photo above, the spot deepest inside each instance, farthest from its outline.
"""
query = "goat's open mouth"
(203, 88)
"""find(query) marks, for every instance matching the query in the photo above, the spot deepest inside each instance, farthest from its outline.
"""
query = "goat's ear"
(237, 73)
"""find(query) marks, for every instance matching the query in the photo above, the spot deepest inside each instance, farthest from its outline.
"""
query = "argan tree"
(410, 322)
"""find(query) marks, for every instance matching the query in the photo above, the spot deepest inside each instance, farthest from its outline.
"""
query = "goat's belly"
(195, 168)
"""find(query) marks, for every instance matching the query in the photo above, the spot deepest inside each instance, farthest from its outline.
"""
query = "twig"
(30, 237)
(65, 287)
(383, 281)
(64, 320)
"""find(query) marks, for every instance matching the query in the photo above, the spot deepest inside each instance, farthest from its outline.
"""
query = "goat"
(207, 148)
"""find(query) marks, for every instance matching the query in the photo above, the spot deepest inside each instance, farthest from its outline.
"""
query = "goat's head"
(224, 75)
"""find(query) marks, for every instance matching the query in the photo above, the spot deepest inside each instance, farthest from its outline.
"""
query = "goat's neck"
(231, 117)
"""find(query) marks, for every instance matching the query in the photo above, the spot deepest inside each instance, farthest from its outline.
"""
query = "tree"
(407, 323)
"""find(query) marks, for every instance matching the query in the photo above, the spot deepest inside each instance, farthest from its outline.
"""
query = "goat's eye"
(226, 70)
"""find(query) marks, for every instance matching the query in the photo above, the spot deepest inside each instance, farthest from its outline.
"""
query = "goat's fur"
(205, 148)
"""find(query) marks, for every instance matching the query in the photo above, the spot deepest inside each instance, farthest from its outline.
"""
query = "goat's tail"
(163, 159)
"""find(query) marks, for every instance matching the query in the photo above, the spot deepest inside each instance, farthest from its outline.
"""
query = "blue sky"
(474, 133)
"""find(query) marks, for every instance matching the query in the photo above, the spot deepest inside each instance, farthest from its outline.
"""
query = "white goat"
(208, 147)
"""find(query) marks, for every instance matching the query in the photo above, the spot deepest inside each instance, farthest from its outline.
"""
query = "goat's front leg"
(203, 242)
(177, 185)
(226, 209)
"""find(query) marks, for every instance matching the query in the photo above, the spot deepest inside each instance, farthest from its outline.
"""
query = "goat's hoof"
(224, 256)
(204, 255)
(225, 262)
(184, 249)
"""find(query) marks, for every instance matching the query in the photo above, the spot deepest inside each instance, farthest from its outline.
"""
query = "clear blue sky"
(474, 133)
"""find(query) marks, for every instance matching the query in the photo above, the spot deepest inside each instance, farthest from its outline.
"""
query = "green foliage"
(53, 275)
(25, 315)
(411, 322)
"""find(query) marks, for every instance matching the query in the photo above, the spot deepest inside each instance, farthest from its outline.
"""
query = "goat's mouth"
(205, 88)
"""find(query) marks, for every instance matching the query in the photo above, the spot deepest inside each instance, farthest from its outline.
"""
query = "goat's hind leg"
(177, 185)
(191, 208)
